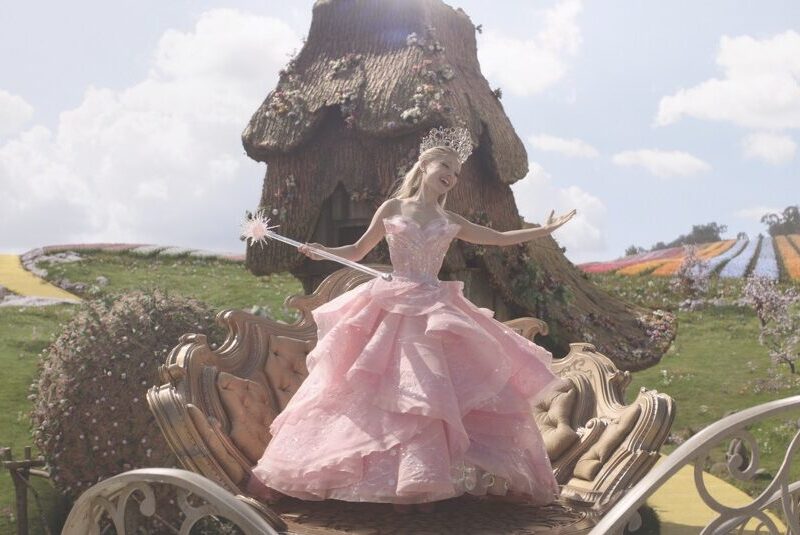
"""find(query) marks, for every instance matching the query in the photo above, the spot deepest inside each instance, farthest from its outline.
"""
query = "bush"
(90, 415)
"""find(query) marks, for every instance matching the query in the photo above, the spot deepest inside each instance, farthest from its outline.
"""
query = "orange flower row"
(641, 267)
(789, 254)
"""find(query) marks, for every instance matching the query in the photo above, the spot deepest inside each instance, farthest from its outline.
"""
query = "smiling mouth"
(445, 182)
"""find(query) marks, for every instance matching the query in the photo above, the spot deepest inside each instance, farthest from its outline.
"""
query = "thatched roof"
(389, 66)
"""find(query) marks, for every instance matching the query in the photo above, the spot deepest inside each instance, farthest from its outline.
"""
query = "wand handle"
(331, 256)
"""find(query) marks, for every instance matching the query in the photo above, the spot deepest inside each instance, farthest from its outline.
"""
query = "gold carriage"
(215, 407)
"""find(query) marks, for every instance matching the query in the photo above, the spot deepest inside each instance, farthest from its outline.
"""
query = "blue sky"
(121, 121)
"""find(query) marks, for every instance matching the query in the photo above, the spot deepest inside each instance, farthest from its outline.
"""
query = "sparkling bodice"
(417, 252)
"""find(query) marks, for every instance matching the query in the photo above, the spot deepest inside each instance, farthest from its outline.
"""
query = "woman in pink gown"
(414, 394)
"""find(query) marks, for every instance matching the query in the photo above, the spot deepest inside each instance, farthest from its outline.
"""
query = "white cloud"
(14, 113)
(575, 148)
(160, 161)
(760, 86)
(583, 236)
(526, 67)
(755, 213)
(661, 162)
(772, 148)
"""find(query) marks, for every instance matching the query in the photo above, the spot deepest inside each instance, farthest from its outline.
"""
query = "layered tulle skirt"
(414, 394)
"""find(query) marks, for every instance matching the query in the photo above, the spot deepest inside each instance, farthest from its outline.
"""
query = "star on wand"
(257, 229)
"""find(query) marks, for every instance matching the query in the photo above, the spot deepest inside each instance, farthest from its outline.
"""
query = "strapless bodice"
(417, 252)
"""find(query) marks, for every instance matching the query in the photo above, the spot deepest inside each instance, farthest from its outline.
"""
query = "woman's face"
(441, 173)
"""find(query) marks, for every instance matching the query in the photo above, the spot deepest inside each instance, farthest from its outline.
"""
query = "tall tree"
(707, 233)
(784, 223)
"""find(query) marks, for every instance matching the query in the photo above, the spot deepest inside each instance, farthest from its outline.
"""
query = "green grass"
(220, 283)
(707, 365)
(714, 368)
(24, 333)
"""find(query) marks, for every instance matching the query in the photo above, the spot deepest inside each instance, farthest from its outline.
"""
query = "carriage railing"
(108, 502)
(780, 492)
(109, 498)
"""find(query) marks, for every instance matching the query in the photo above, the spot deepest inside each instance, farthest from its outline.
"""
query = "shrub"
(90, 415)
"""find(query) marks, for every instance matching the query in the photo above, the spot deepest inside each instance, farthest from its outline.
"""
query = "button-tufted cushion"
(249, 411)
(613, 435)
(553, 415)
(286, 365)
(210, 430)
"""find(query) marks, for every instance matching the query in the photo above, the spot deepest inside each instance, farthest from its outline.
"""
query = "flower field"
(656, 257)
(717, 261)
(737, 266)
(770, 257)
(705, 252)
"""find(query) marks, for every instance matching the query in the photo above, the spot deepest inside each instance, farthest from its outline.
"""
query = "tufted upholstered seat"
(215, 406)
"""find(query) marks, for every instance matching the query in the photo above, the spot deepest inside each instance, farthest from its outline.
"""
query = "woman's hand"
(555, 222)
(306, 250)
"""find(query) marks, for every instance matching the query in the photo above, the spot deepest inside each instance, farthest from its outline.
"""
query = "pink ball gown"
(414, 394)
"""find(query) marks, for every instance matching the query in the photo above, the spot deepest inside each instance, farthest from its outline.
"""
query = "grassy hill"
(714, 367)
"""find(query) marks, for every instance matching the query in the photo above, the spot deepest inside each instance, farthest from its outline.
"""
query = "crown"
(458, 139)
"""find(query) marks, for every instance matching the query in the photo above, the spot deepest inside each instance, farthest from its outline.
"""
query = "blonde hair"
(413, 178)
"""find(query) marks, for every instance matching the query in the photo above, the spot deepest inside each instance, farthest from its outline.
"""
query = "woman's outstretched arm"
(470, 232)
(365, 243)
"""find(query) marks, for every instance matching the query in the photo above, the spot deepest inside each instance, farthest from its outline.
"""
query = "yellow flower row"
(789, 255)
(707, 252)
(641, 267)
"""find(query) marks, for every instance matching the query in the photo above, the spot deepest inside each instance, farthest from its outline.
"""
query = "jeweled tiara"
(458, 139)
